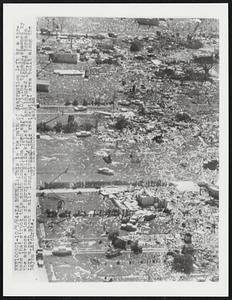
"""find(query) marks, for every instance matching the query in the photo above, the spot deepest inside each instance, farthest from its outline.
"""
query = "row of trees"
(60, 24)
(70, 127)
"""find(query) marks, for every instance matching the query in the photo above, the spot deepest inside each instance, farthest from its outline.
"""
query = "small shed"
(42, 85)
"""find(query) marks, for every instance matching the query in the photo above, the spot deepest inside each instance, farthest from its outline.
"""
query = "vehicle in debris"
(150, 127)
(137, 102)
(128, 227)
(62, 251)
(112, 35)
(83, 133)
(65, 214)
(80, 108)
(119, 243)
(102, 114)
(39, 253)
(139, 57)
(135, 247)
(51, 213)
(40, 263)
(124, 102)
(44, 31)
(37, 105)
(105, 171)
(110, 253)
(107, 159)
(39, 257)
(123, 109)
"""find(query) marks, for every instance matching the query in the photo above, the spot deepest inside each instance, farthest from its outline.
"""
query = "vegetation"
(136, 46)
(58, 127)
(67, 102)
(183, 263)
(70, 127)
(121, 123)
(85, 103)
(43, 127)
(193, 44)
(206, 62)
(87, 126)
(75, 102)
(113, 235)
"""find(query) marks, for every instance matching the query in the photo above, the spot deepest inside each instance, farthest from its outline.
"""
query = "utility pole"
(63, 172)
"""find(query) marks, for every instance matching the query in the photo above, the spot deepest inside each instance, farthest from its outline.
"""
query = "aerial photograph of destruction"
(127, 149)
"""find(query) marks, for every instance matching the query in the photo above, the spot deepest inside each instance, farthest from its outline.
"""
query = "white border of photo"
(22, 284)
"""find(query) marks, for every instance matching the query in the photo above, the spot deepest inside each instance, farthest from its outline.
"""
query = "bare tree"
(206, 61)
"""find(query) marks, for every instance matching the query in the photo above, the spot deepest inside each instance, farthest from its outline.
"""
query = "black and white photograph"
(127, 149)
(118, 132)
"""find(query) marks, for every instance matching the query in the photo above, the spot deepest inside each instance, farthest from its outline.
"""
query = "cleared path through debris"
(88, 251)
(72, 107)
(105, 191)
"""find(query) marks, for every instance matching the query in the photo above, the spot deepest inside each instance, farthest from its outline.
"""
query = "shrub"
(50, 185)
(67, 102)
(75, 102)
(43, 127)
(113, 235)
(85, 103)
(86, 126)
(183, 263)
(58, 127)
(121, 123)
(182, 117)
(71, 127)
(136, 46)
(193, 44)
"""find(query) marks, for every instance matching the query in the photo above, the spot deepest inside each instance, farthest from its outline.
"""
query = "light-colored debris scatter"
(127, 149)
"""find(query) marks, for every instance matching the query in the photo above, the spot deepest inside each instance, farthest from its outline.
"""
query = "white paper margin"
(23, 285)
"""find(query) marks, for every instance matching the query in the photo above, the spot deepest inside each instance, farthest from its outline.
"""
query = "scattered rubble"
(68, 58)
(155, 121)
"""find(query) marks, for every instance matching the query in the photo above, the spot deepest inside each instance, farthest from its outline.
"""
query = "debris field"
(128, 149)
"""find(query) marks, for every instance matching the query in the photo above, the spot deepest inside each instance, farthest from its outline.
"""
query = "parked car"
(80, 108)
(110, 253)
(40, 263)
(62, 251)
(137, 102)
(124, 102)
(83, 133)
(105, 171)
(40, 257)
(39, 253)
